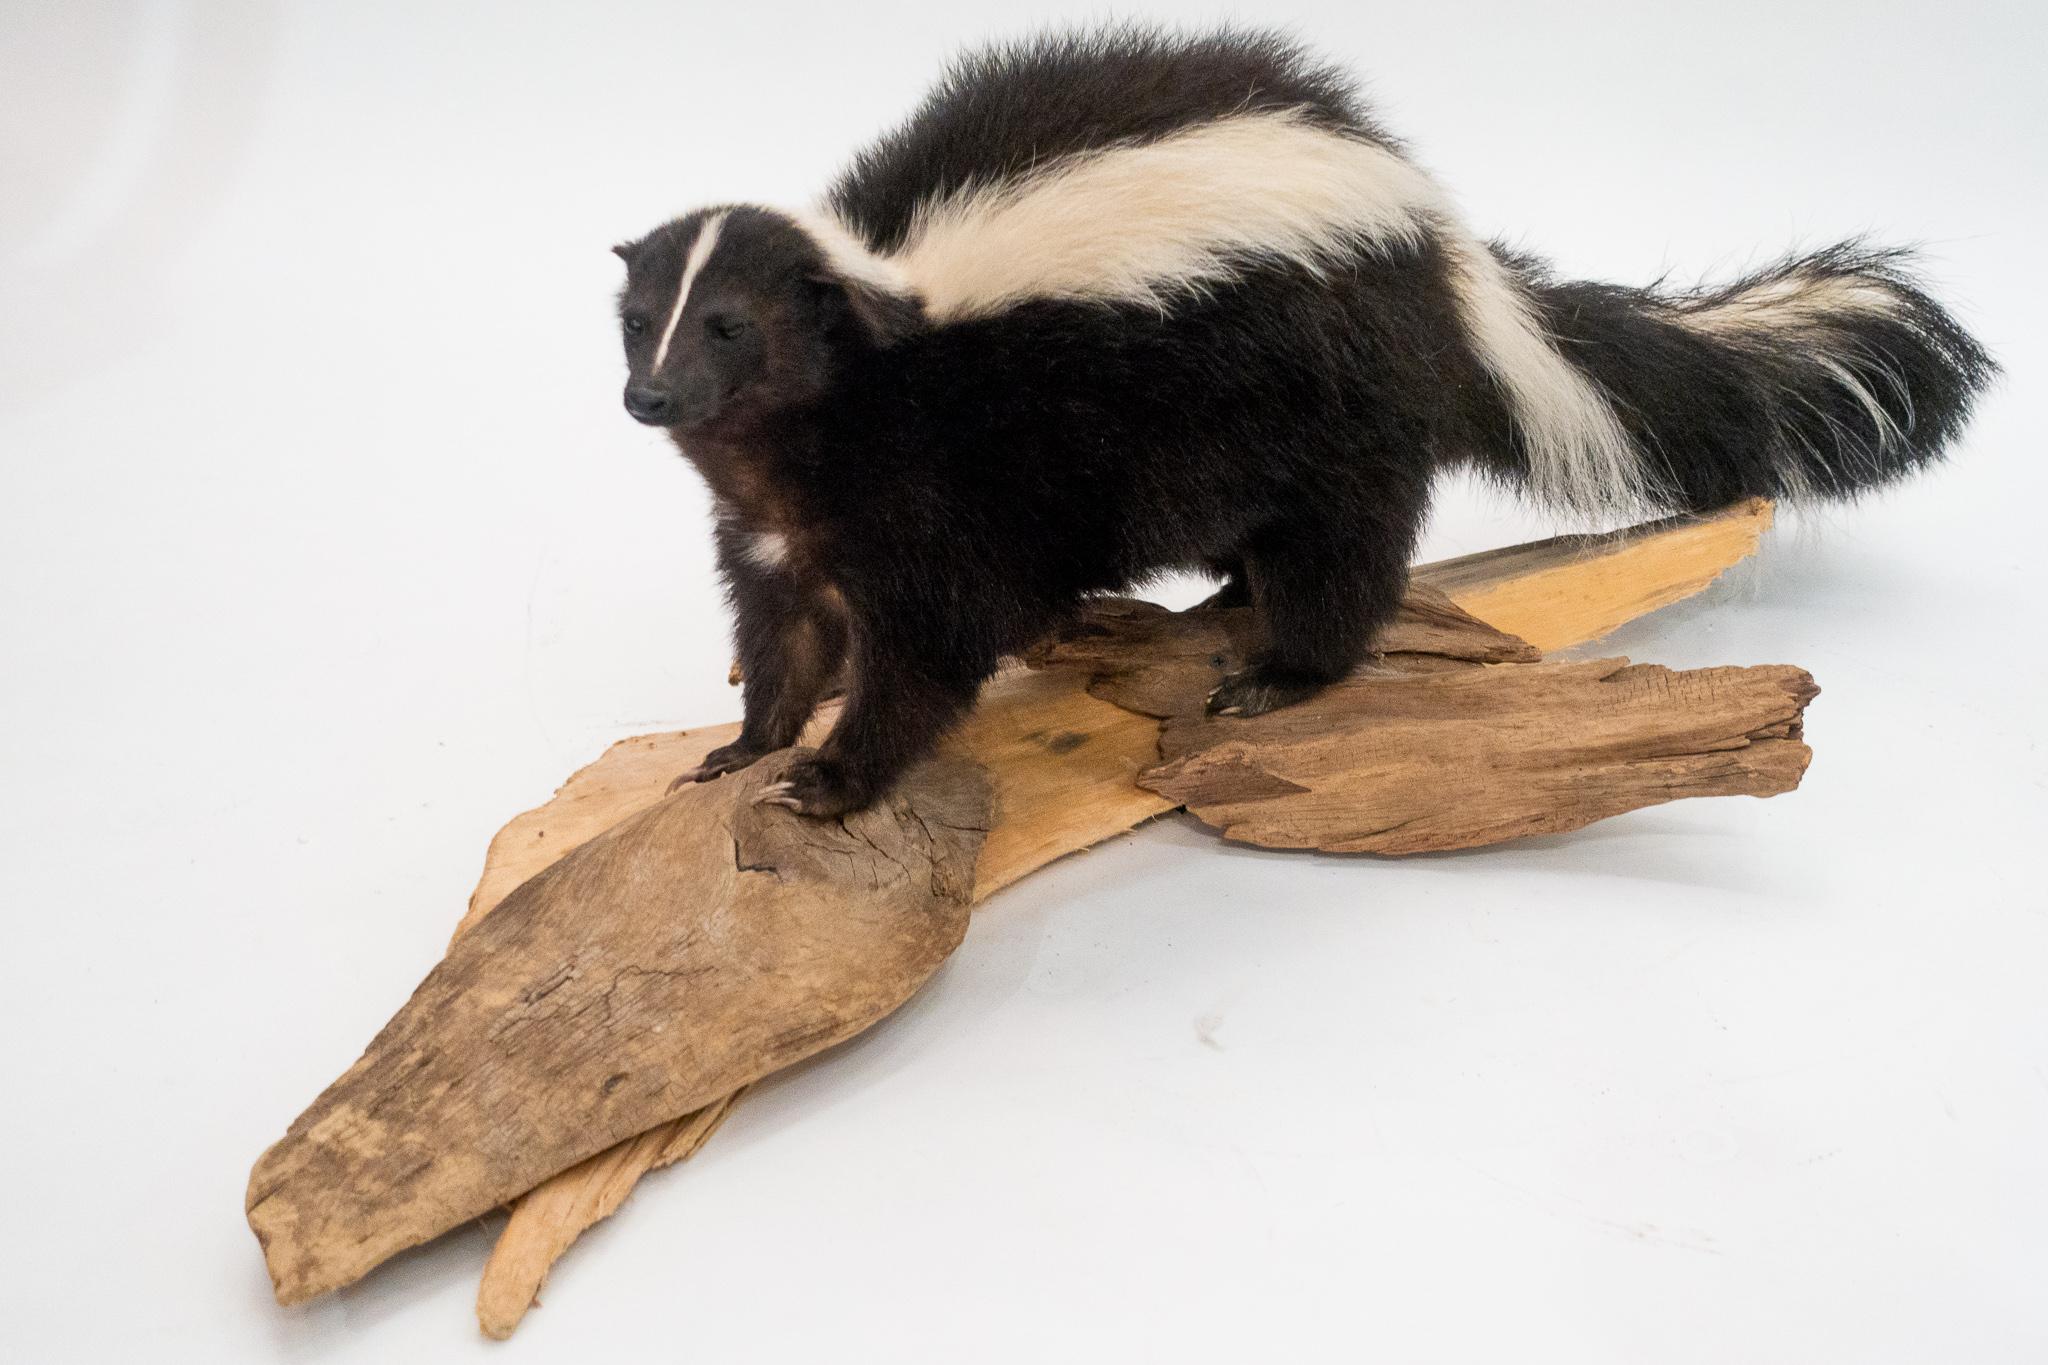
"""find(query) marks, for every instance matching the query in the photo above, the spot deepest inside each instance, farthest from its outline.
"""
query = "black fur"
(1002, 111)
(1755, 413)
(945, 493)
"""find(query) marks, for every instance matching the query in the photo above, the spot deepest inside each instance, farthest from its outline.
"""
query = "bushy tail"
(1819, 377)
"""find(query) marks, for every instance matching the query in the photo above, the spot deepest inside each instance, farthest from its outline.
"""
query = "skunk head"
(735, 314)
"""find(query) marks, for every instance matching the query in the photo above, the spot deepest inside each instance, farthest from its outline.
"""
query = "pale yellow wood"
(1064, 766)
(1566, 591)
(560, 1210)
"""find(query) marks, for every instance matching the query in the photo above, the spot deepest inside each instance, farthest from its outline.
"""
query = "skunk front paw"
(726, 758)
(818, 787)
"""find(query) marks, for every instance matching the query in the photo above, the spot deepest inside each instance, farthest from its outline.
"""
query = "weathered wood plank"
(653, 971)
(1424, 762)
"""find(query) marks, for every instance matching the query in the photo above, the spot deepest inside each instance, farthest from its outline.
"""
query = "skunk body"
(1112, 305)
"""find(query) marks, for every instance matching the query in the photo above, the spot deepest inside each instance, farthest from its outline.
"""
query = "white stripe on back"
(1144, 222)
(693, 264)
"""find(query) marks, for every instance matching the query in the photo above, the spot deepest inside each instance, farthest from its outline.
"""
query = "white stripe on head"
(693, 264)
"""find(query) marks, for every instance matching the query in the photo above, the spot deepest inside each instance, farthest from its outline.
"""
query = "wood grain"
(653, 971)
(1063, 770)
(1571, 589)
(1425, 762)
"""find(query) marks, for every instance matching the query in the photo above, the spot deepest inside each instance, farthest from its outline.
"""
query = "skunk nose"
(651, 405)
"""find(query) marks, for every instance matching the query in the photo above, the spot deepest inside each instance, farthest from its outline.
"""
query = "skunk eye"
(635, 325)
(724, 326)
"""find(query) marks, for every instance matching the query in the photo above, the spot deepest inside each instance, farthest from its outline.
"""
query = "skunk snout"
(656, 407)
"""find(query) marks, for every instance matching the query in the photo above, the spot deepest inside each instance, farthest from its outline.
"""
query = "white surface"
(326, 549)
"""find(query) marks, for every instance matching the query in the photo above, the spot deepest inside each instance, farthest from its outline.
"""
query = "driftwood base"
(631, 961)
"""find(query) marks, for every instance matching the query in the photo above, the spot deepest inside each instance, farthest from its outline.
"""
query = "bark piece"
(653, 971)
(1420, 763)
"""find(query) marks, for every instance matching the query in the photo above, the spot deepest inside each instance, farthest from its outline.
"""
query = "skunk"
(1125, 302)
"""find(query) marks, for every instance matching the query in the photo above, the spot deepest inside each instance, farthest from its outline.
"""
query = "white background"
(324, 549)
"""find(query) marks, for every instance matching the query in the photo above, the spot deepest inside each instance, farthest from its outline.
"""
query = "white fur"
(1805, 307)
(1791, 301)
(1140, 223)
(1144, 222)
(848, 255)
(693, 265)
(767, 549)
(1580, 458)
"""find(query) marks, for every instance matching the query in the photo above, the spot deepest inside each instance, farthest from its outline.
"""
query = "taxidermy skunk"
(1120, 303)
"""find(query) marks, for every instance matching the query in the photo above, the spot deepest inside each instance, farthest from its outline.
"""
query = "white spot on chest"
(766, 549)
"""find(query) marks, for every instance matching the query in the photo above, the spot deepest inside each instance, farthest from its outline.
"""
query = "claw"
(777, 794)
(1210, 707)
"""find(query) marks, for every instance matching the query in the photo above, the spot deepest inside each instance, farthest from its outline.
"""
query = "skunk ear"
(884, 318)
(624, 251)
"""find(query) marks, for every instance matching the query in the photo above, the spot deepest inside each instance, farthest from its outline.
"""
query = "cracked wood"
(1423, 762)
